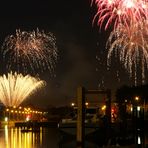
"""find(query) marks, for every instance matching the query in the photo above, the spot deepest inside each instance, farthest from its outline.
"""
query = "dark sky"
(82, 53)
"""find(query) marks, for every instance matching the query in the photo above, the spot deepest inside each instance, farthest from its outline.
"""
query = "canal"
(45, 138)
(15, 138)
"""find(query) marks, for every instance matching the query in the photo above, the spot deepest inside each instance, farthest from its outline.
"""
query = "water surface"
(15, 138)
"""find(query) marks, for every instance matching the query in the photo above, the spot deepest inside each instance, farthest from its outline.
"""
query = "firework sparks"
(120, 11)
(131, 46)
(35, 49)
(15, 88)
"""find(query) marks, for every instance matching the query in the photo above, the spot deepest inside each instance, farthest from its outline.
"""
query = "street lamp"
(137, 98)
(72, 104)
(86, 103)
(103, 107)
(137, 106)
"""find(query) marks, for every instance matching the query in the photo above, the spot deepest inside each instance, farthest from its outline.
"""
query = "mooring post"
(108, 106)
(80, 117)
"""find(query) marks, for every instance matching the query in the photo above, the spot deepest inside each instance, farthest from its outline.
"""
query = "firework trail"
(119, 11)
(131, 46)
(30, 50)
(15, 88)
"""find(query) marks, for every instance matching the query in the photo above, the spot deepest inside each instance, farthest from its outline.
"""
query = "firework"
(120, 11)
(15, 88)
(30, 50)
(131, 46)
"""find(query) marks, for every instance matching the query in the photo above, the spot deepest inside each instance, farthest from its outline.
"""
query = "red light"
(28, 116)
(113, 110)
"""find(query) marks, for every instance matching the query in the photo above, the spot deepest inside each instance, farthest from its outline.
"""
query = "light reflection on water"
(14, 138)
(46, 138)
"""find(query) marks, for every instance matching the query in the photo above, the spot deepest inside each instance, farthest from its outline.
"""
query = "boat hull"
(70, 128)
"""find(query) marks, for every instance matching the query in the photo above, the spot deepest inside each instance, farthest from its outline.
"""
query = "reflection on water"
(46, 138)
(15, 138)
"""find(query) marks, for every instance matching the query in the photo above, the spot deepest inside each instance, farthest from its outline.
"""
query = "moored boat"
(92, 122)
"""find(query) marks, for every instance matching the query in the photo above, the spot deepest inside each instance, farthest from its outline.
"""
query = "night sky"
(81, 46)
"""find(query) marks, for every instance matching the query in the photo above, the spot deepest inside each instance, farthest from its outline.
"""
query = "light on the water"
(139, 140)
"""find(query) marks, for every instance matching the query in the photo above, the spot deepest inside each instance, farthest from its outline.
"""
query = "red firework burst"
(120, 11)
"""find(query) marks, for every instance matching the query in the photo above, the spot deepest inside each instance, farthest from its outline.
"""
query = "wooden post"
(80, 117)
(108, 106)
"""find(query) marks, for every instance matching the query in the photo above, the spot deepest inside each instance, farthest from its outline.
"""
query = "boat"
(30, 130)
(92, 122)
